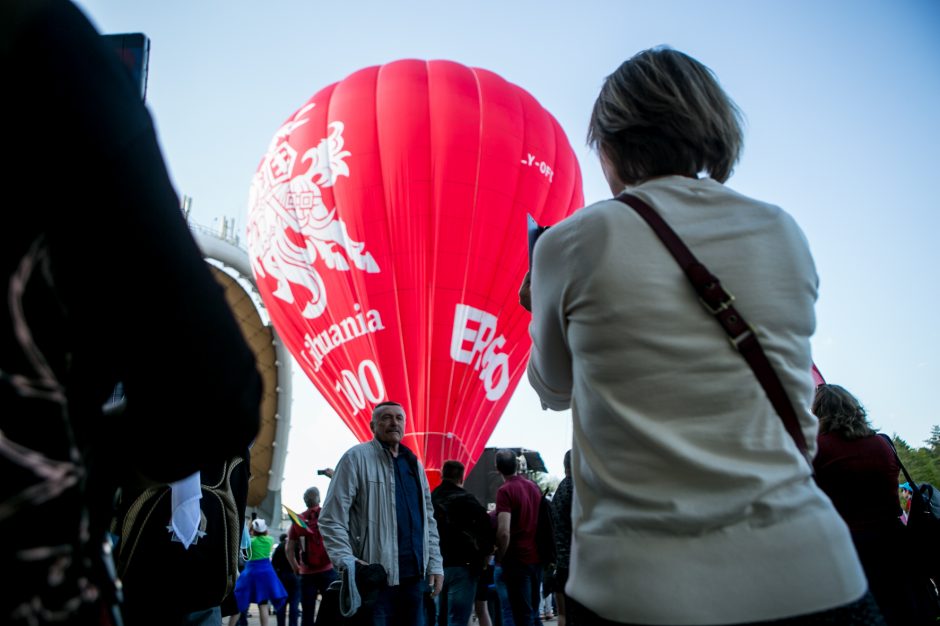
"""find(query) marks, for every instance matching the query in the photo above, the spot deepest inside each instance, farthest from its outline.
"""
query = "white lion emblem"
(289, 225)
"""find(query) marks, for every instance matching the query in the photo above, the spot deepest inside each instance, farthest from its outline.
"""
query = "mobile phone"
(134, 51)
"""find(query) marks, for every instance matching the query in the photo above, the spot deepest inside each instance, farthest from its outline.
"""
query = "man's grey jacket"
(358, 517)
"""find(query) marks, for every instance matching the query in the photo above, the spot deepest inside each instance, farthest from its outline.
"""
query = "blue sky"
(840, 100)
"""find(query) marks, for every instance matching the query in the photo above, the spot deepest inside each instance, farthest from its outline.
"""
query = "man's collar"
(402, 449)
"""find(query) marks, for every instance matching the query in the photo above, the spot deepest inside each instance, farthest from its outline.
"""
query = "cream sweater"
(692, 504)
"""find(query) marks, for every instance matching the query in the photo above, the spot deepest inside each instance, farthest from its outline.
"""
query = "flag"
(294, 517)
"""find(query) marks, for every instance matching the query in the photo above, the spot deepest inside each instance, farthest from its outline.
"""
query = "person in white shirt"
(692, 504)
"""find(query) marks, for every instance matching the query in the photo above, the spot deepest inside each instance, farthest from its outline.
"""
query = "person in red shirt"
(313, 567)
(517, 514)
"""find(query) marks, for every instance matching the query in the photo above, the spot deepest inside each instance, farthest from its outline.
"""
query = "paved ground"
(254, 620)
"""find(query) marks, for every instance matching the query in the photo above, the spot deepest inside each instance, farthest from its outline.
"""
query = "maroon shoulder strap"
(719, 303)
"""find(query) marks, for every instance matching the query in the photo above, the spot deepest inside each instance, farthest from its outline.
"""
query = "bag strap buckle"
(725, 299)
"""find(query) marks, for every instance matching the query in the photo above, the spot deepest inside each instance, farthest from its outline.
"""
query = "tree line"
(922, 463)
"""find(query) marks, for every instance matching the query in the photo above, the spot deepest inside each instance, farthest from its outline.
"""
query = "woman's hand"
(525, 293)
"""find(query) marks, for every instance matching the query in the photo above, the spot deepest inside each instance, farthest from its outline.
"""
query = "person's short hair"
(840, 412)
(312, 497)
(567, 462)
(381, 404)
(452, 471)
(506, 462)
(663, 113)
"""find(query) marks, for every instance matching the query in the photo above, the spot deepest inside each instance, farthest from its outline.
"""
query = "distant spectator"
(503, 606)
(517, 514)
(858, 470)
(308, 556)
(467, 542)
(905, 492)
(287, 576)
(258, 584)
(561, 510)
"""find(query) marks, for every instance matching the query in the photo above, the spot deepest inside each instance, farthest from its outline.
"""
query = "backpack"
(923, 522)
(474, 533)
(923, 528)
(312, 551)
(154, 565)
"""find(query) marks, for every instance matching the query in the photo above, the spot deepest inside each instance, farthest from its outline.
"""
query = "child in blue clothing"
(258, 583)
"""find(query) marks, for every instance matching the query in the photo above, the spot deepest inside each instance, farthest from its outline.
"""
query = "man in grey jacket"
(378, 510)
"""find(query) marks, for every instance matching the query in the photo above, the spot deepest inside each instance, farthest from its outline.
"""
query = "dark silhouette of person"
(102, 282)
(467, 542)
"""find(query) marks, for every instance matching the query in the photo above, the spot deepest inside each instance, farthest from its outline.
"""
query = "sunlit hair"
(840, 412)
(452, 471)
(312, 497)
(663, 113)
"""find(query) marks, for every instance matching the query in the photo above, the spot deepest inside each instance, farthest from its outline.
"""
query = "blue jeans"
(310, 586)
(455, 602)
(401, 605)
(292, 584)
(505, 610)
(522, 585)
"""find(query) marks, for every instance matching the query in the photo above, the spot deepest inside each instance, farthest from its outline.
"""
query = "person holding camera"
(308, 557)
(689, 492)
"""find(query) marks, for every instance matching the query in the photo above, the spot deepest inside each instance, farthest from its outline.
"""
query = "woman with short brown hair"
(692, 504)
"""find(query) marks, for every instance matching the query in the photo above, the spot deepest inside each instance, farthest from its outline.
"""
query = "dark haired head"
(506, 462)
(840, 412)
(452, 471)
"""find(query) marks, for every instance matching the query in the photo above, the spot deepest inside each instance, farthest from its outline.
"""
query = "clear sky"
(840, 100)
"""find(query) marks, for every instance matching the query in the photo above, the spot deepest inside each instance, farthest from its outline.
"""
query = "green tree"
(933, 442)
(546, 482)
(923, 464)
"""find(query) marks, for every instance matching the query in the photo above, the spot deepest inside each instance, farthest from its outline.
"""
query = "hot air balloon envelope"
(387, 232)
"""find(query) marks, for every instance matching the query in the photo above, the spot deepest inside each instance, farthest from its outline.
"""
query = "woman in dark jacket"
(858, 470)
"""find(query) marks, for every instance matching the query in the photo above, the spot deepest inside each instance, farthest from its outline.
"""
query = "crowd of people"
(488, 565)
(707, 484)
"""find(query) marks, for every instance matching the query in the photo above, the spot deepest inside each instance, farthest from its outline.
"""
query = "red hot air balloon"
(387, 233)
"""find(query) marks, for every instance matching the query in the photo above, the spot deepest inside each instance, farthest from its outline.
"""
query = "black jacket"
(467, 536)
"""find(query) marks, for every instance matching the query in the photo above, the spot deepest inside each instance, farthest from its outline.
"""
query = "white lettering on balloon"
(289, 224)
(362, 387)
(474, 342)
(316, 347)
(542, 166)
